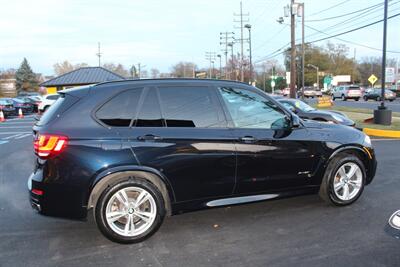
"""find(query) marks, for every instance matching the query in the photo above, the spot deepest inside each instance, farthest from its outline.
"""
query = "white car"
(47, 101)
(345, 92)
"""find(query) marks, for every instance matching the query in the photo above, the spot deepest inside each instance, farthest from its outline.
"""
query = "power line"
(352, 30)
(339, 26)
(276, 53)
(272, 37)
(329, 8)
(344, 15)
(354, 43)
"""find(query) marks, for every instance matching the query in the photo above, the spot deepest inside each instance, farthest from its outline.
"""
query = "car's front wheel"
(344, 180)
(130, 211)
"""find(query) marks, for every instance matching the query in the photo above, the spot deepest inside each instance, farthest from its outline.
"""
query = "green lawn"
(359, 115)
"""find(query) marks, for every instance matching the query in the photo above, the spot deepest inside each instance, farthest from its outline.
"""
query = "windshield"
(303, 106)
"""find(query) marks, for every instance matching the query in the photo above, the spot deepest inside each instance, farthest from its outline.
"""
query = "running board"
(240, 200)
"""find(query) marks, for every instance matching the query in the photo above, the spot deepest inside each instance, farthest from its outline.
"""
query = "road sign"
(390, 75)
(372, 79)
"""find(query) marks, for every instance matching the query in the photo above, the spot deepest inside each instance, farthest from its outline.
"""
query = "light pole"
(232, 69)
(316, 68)
(220, 66)
(248, 26)
(212, 69)
(383, 115)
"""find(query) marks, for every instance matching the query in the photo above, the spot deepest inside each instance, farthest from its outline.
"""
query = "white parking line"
(14, 132)
(23, 136)
(6, 127)
(3, 142)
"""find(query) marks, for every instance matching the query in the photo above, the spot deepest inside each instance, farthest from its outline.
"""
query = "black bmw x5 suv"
(136, 151)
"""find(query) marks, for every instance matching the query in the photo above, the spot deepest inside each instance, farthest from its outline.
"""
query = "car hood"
(329, 113)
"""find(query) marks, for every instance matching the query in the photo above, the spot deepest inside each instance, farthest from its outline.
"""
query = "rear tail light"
(46, 145)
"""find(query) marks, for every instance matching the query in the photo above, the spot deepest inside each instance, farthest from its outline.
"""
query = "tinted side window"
(150, 112)
(193, 106)
(120, 110)
(53, 97)
(251, 110)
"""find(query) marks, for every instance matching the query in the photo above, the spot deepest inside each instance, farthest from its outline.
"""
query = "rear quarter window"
(55, 110)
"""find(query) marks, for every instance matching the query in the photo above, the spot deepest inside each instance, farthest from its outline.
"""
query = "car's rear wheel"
(130, 211)
(365, 98)
(356, 99)
(333, 98)
(344, 180)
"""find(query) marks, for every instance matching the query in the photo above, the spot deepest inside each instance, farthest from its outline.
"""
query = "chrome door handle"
(149, 137)
(247, 139)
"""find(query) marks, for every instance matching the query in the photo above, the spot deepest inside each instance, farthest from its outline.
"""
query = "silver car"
(345, 92)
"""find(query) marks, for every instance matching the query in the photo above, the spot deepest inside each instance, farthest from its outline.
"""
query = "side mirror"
(393, 226)
(295, 121)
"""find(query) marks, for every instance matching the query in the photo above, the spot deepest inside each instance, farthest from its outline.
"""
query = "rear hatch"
(354, 91)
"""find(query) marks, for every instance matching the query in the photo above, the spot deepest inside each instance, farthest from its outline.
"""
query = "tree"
(117, 68)
(25, 78)
(183, 69)
(66, 66)
(154, 73)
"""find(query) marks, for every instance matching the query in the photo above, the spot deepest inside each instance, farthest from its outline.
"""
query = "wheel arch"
(115, 175)
(359, 152)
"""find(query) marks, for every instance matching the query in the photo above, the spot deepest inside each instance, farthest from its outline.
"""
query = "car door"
(181, 131)
(271, 156)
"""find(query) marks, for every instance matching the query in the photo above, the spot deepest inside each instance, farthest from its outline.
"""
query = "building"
(80, 77)
(7, 87)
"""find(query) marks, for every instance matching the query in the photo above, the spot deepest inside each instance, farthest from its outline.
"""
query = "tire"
(333, 98)
(365, 98)
(378, 99)
(356, 99)
(343, 98)
(391, 100)
(110, 202)
(327, 191)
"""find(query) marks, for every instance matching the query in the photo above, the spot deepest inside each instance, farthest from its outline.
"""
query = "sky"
(159, 34)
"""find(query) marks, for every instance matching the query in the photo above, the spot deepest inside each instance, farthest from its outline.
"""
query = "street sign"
(390, 75)
(372, 79)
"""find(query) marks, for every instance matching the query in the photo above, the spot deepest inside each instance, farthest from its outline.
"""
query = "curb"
(382, 133)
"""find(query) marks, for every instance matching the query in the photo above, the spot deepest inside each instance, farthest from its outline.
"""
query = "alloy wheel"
(131, 211)
(348, 181)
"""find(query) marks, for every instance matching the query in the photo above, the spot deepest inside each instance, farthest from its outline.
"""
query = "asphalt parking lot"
(301, 231)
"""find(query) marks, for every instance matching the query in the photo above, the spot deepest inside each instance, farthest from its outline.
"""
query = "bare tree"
(154, 73)
(183, 69)
(117, 68)
(66, 66)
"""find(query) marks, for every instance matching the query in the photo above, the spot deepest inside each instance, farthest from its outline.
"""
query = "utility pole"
(292, 52)
(210, 56)
(241, 15)
(99, 53)
(225, 38)
(220, 66)
(302, 50)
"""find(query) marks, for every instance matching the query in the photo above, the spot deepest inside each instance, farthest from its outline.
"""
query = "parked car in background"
(7, 107)
(393, 225)
(318, 92)
(24, 93)
(47, 101)
(345, 92)
(309, 92)
(305, 111)
(25, 106)
(136, 151)
(31, 100)
(375, 94)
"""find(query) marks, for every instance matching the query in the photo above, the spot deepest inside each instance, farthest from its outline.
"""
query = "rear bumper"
(58, 200)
